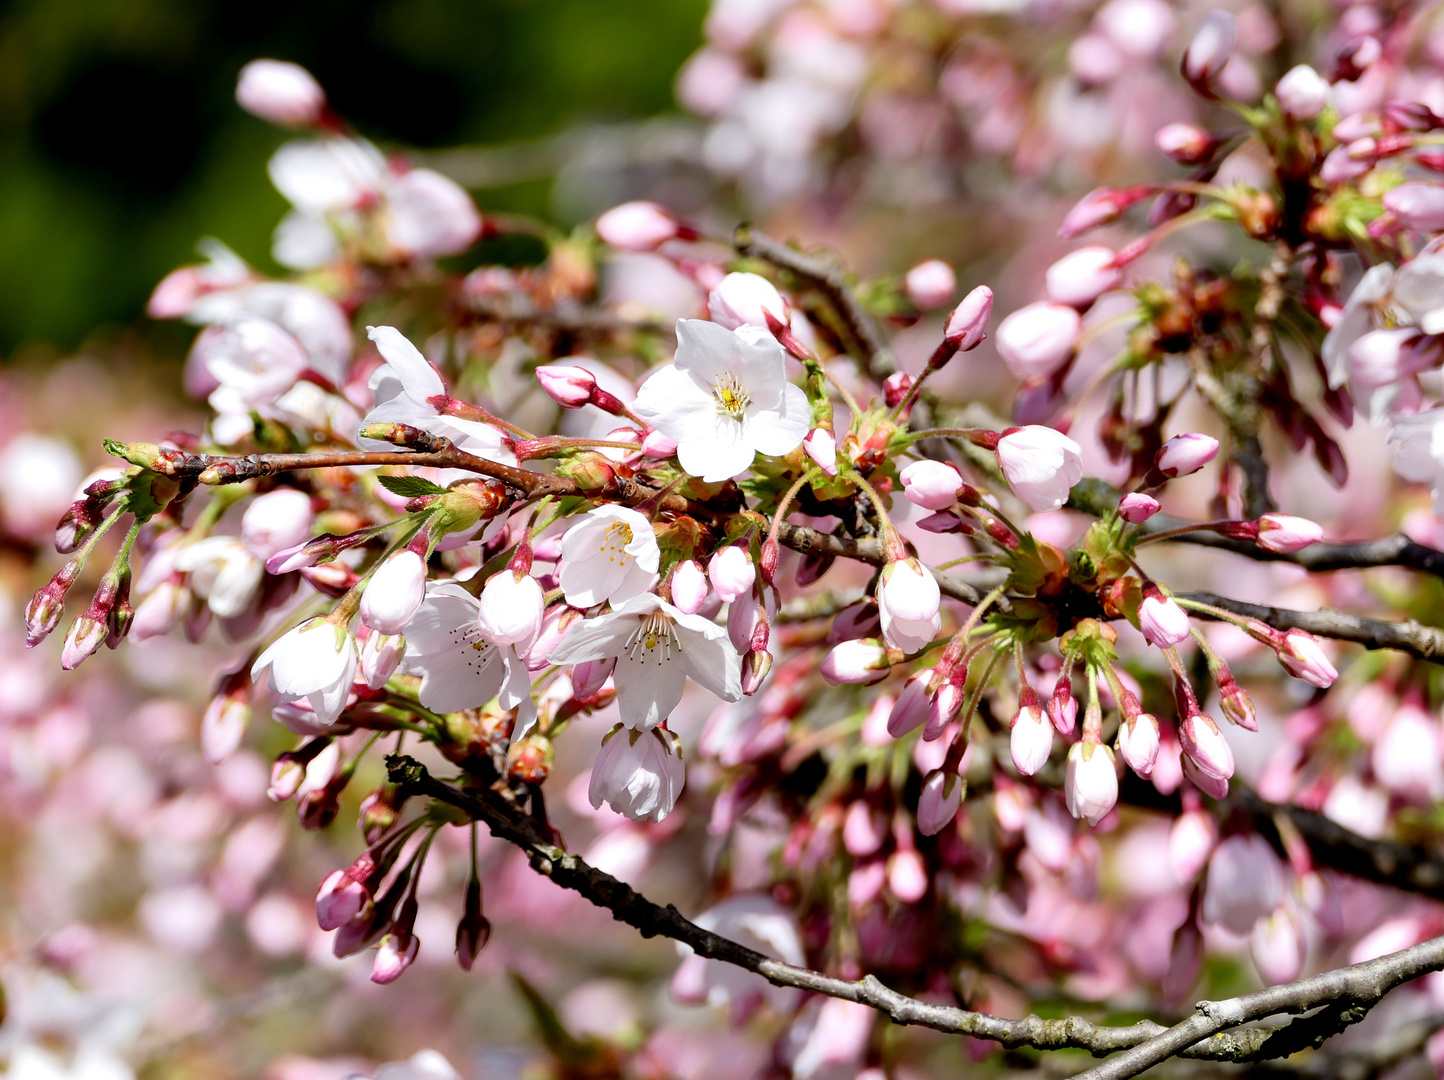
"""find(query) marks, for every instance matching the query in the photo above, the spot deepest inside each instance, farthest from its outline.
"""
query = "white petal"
(595, 639)
(673, 402)
(649, 687)
(716, 452)
(781, 432)
(711, 661)
(418, 376)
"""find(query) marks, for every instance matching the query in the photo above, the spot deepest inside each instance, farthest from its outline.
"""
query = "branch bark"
(825, 274)
(1414, 638)
(1202, 1036)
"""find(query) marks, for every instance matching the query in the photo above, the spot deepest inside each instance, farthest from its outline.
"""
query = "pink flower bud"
(895, 388)
(1090, 785)
(1186, 454)
(1278, 947)
(856, 662)
(821, 446)
(1190, 842)
(930, 284)
(1205, 746)
(968, 324)
(1038, 339)
(1062, 707)
(1212, 45)
(340, 899)
(1138, 742)
(379, 657)
(657, 446)
(397, 953)
(938, 804)
(570, 387)
(1136, 507)
(1099, 207)
(86, 635)
(863, 829)
(732, 572)
(1302, 93)
(474, 929)
(756, 666)
(1382, 357)
(637, 226)
(281, 92)
(224, 722)
(276, 521)
(1031, 740)
(1356, 57)
(1407, 116)
(912, 705)
(394, 593)
(159, 612)
(1340, 165)
(42, 614)
(1280, 532)
(588, 677)
(512, 609)
(742, 299)
(1187, 144)
(932, 485)
(908, 600)
(945, 704)
(1041, 465)
(907, 879)
(1162, 621)
(1082, 276)
(1303, 658)
(689, 586)
(1418, 205)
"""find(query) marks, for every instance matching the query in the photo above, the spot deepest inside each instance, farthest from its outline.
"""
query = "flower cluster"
(498, 523)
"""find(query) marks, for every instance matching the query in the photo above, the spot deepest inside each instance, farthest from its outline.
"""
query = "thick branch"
(650, 919)
(825, 274)
(1348, 993)
(1414, 638)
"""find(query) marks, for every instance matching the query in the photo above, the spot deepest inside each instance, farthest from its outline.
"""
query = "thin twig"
(825, 273)
(1414, 638)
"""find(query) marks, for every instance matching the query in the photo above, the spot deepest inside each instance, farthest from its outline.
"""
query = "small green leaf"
(410, 487)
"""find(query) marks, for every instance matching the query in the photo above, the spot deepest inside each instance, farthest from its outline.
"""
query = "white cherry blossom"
(222, 571)
(404, 385)
(459, 668)
(316, 661)
(657, 648)
(610, 554)
(638, 773)
(724, 399)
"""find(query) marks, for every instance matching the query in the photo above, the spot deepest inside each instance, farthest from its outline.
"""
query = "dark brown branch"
(810, 541)
(1414, 638)
(1098, 498)
(1401, 866)
(1360, 985)
(825, 273)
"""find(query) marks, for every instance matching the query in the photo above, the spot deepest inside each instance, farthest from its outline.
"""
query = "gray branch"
(1345, 994)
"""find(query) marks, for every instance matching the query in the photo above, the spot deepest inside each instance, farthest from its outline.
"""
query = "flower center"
(653, 640)
(731, 396)
(614, 542)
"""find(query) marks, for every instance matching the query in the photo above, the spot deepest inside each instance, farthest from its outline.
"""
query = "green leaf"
(410, 487)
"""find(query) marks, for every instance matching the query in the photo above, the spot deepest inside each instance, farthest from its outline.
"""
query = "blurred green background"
(121, 144)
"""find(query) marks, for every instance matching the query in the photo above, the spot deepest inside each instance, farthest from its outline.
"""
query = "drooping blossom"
(316, 661)
(394, 592)
(638, 773)
(908, 599)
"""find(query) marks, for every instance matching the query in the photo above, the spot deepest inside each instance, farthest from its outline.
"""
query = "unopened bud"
(1099, 207)
(86, 635)
(821, 446)
(281, 92)
(1185, 454)
(473, 931)
(42, 614)
(1286, 534)
(856, 662)
(570, 387)
(1355, 57)
(895, 388)
(639, 227)
(930, 284)
(1136, 507)
(379, 811)
(756, 666)
(968, 324)
(768, 559)
(1209, 51)
(1187, 144)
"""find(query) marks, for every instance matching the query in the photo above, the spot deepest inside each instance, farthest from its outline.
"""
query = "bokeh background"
(120, 140)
